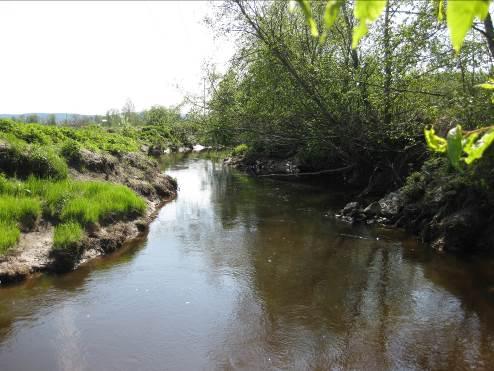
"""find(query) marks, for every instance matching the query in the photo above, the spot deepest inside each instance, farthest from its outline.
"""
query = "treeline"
(159, 126)
(287, 94)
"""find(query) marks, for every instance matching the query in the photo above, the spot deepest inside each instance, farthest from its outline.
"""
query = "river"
(254, 274)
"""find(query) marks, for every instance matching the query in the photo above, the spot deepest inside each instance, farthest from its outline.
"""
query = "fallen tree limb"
(330, 171)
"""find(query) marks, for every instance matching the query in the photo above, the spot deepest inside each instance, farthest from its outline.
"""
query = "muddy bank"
(34, 252)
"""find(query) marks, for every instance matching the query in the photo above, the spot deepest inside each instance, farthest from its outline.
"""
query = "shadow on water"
(245, 273)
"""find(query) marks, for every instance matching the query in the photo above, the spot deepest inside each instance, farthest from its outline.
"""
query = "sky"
(89, 57)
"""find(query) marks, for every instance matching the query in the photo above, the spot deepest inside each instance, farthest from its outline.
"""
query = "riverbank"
(67, 197)
(447, 210)
(34, 251)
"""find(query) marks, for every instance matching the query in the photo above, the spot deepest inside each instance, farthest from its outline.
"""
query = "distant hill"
(59, 117)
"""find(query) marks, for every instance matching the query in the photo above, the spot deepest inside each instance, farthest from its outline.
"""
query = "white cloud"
(88, 57)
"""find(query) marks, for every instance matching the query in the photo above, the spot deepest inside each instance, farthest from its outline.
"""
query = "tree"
(32, 118)
(129, 115)
(51, 119)
(161, 116)
(460, 146)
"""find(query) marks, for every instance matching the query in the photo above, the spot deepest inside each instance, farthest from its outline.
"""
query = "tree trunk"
(489, 34)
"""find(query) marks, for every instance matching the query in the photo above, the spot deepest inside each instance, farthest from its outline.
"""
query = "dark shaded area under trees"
(361, 112)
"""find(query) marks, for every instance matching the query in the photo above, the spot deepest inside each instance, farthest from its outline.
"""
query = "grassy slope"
(34, 181)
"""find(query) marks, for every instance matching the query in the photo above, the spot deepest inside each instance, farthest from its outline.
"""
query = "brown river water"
(254, 274)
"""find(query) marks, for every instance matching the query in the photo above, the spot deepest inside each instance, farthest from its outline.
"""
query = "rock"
(391, 204)
(155, 150)
(459, 230)
(198, 148)
(373, 209)
(350, 209)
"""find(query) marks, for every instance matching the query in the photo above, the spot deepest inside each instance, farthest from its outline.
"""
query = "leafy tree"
(460, 145)
(160, 115)
(51, 119)
(32, 118)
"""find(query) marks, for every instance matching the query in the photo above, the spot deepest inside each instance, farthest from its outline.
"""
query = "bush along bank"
(447, 209)
(68, 195)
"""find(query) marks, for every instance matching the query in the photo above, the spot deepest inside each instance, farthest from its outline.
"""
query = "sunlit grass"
(64, 202)
(66, 235)
(22, 210)
(9, 235)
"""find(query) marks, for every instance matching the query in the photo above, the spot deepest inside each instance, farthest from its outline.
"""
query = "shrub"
(20, 159)
(241, 149)
(67, 235)
(71, 151)
(9, 235)
(45, 163)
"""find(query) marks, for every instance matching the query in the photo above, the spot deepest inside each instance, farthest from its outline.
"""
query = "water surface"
(244, 273)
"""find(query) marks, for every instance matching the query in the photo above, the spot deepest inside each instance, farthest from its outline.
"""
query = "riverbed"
(248, 273)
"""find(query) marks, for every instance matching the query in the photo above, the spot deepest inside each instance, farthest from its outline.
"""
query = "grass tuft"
(67, 235)
(65, 201)
(9, 235)
(22, 210)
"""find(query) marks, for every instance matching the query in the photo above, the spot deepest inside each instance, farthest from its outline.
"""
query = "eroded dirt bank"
(34, 252)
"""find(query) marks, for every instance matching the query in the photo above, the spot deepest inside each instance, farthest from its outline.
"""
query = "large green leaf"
(331, 12)
(366, 11)
(475, 151)
(434, 142)
(306, 9)
(440, 9)
(460, 15)
(455, 146)
(489, 85)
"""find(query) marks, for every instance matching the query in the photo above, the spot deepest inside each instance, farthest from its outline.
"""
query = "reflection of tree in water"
(321, 299)
(309, 295)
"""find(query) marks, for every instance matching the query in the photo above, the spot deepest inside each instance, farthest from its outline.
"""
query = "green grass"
(66, 235)
(9, 235)
(35, 158)
(15, 213)
(65, 202)
(22, 210)
(21, 159)
(91, 137)
(240, 149)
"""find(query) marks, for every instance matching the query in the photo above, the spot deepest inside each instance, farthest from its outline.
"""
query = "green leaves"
(440, 9)
(434, 142)
(366, 12)
(460, 146)
(475, 150)
(306, 9)
(455, 147)
(331, 12)
(460, 15)
(489, 85)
